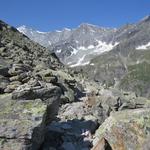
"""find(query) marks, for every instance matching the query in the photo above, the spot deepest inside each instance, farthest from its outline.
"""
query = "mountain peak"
(66, 29)
(87, 25)
(22, 27)
(146, 19)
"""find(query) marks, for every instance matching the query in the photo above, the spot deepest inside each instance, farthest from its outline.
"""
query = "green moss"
(22, 116)
(20, 110)
(33, 107)
(6, 104)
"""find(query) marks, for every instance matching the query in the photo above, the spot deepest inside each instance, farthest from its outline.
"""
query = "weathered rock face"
(17, 121)
(126, 130)
(71, 89)
(28, 92)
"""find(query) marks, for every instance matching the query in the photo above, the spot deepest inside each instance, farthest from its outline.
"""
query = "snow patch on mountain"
(81, 62)
(58, 31)
(82, 48)
(92, 64)
(67, 29)
(58, 51)
(143, 47)
(74, 52)
(104, 47)
(90, 46)
(22, 29)
(81, 54)
(100, 48)
(41, 32)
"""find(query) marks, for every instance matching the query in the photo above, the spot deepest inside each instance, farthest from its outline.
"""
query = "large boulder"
(17, 121)
(25, 114)
(125, 130)
(23, 121)
(28, 92)
(17, 69)
(48, 93)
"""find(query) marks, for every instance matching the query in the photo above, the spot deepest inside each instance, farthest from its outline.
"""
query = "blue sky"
(47, 15)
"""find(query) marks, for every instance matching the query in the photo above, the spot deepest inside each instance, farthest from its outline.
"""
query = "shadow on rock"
(70, 135)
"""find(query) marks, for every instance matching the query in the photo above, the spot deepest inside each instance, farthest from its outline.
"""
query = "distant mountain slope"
(127, 66)
(112, 57)
(76, 47)
(16, 47)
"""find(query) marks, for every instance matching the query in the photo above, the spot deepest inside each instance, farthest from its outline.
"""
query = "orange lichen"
(102, 145)
(119, 141)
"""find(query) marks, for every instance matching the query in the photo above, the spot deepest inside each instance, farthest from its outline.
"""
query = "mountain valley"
(86, 88)
(107, 56)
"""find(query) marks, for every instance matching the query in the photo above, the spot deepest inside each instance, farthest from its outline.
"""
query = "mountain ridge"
(78, 46)
(109, 56)
(76, 38)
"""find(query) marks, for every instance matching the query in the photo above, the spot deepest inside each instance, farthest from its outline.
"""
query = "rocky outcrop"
(23, 121)
(27, 92)
(124, 130)
(126, 66)
(17, 121)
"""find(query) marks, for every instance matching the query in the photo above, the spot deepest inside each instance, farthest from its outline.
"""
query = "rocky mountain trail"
(93, 108)
(33, 85)
(74, 134)
(45, 105)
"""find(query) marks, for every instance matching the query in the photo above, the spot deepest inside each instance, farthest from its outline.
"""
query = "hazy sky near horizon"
(47, 15)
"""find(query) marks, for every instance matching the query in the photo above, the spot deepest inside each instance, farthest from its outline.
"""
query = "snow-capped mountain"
(76, 47)
(45, 38)
(127, 65)
(111, 57)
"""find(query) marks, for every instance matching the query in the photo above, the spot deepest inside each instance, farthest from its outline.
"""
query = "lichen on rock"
(17, 120)
(128, 129)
